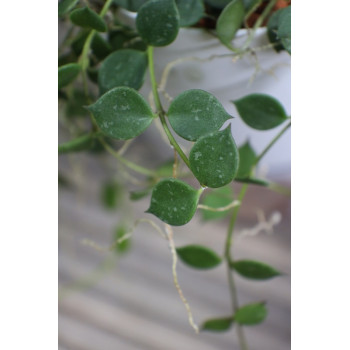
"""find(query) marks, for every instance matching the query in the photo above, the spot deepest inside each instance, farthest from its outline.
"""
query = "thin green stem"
(137, 168)
(275, 139)
(229, 259)
(160, 109)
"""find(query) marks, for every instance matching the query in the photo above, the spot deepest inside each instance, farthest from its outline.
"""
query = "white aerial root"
(169, 232)
(235, 203)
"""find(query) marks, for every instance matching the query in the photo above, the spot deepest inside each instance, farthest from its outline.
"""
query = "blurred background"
(125, 298)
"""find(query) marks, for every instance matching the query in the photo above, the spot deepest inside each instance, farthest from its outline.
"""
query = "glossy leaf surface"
(217, 324)
(229, 21)
(217, 198)
(247, 159)
(198, 257)
(67, 74)
(214, 159)
(122, 68)
(174, 202)
(191, 11)
(64, 6)
(86, 18)
(157, 22)
(251, 314)
(254, 269)
(261, 112)
(122, 113)
(195, 113)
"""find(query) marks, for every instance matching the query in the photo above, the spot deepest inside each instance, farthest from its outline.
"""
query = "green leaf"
(214, 159)
(217, 198)
(229, 21)
(247, 159)
(111, 192)
(217, 324)
(65, 6)
(191, 11)
(174, 202)
(67, 74)
(218, 3)
(122, 68)
(130, 5)
(251, 314)
(86, 18)
(261, 112)
(81, 143)
(252, 180)
(122, 113)
(124, 245)
(284, 28)
(198, 257)
(254, 269)
(195, 113)
(279, 24)
(137, 195)
(157, 22)
(100, 47)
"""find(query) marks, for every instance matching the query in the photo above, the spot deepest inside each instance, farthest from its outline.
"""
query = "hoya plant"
(102, 67)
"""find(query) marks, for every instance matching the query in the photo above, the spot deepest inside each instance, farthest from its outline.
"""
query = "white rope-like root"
(235, 203)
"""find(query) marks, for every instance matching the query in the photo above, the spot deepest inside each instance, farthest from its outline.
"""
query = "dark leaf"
(217, 324)
(86, 18)
(198, 257)
(67, 74)
(254, 269)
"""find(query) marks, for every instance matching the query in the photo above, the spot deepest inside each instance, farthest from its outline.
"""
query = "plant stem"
(229, 259)
(139, 169)
(160, 109)
(272, 143)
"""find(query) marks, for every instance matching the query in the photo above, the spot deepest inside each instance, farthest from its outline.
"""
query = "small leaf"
(191, 11)
(247, 158)
(254, 269)
(137, 195)
(217, 198)
(261, 112)
(86, 18)
(100, 47)
(174, 202)
(64, 6)
(124, 245)
(67, 74)
(252, 180)
(81, 143)
(198, 257)
(217, 324)
(122, 68)
(111, 192)
(214, 159)
(157, 22)
(251, 314)
(130, 5)
(122, 113)
(229, 21)
(195, 113)
(284, 28)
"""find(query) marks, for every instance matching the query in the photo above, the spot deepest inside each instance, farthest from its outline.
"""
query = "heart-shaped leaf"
(130, 5)
(251, 314)
(157, 22)
(86, 18)
(198, 257)
(261, 112)
(254, 269)
(217, 324)
(214, 159)
(64, 6)
(122, 68)
(191, 11)
(195, 113)
(229, 21)
(247, 159)
(174, 202)
(217, 198)
(122, 113)
(67, 74)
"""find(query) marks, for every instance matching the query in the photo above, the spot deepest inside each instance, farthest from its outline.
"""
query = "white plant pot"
(229, 80)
